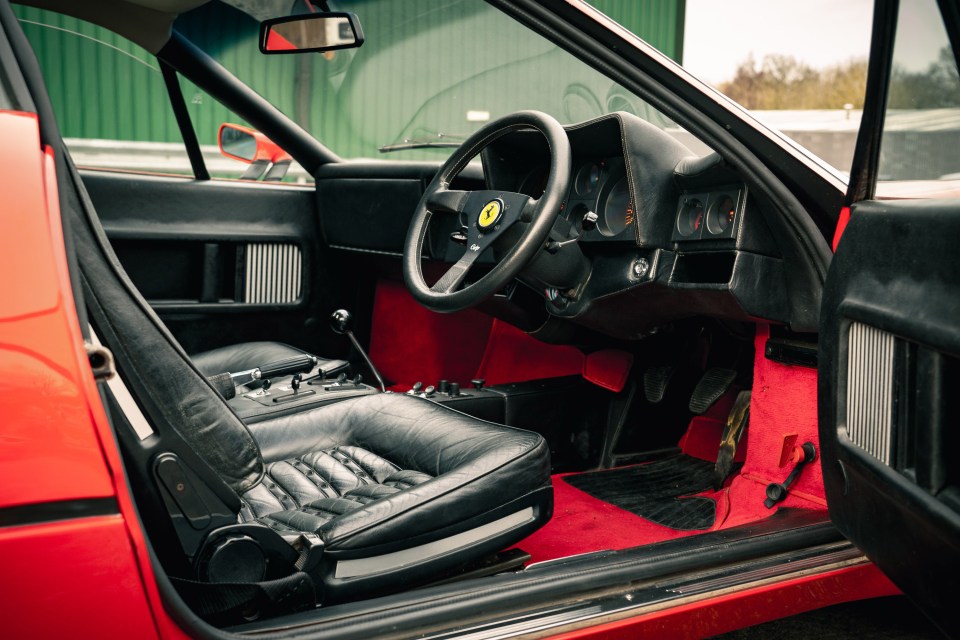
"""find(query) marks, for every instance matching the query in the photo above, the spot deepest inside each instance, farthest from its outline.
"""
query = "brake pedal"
(712, 385)
(655, 381)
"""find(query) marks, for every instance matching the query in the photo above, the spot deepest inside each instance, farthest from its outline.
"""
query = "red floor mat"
(582, 523)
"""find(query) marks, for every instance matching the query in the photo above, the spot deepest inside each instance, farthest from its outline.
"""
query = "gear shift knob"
(340, 321)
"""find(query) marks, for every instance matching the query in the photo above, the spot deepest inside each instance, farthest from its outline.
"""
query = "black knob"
(454, 389)
(429, 391)
(443, 386)
(417, 386)
(295, 382)
(478, 383)
(357, 380)
(589, 221)
(266, 384)
(340, 321)
(341, 378)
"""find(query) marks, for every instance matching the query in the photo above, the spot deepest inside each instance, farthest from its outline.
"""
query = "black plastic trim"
(42, 512)
(409, 613)
(866, 154)
(187, 132)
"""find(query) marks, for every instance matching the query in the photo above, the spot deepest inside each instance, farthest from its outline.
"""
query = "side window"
(207, 115)
(921, 132)
(108, 94)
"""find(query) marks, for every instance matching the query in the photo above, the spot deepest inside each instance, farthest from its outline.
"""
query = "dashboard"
(676, 235)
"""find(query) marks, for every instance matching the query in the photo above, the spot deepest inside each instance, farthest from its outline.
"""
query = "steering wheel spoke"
(451, 280)
(446, 201)
(528, 209)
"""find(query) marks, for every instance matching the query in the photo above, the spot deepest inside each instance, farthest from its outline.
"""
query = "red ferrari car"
(489, 321)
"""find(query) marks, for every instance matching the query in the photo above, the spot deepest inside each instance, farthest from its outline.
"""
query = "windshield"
(428, 75)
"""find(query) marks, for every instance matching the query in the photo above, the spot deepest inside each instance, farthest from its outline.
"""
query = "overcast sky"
(722, 33)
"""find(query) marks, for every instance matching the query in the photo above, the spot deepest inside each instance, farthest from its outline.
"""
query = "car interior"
(562, 343)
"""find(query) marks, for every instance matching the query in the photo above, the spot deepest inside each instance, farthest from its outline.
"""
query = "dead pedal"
(655, 381)
(712, 385)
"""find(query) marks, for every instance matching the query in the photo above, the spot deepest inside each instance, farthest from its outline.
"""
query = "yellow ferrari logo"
(490, 214)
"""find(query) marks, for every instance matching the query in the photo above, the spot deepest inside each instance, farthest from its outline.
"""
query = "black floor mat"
(654, 491)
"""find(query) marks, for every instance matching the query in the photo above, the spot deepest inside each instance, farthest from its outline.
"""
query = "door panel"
(221, 261)
(890, 394)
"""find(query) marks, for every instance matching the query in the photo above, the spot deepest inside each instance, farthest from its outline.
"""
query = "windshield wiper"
(433, 141)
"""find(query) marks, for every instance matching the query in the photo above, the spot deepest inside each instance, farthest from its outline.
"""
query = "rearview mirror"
(252, 147)
(311, 32)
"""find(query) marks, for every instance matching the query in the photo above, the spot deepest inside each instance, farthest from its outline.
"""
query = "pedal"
(712, 385)
(655, 381)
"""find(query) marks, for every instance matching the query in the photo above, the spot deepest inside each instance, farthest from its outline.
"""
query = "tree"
(783, 82)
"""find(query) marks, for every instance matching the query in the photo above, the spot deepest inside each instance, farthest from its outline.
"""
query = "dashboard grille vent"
(273, 273)
(870, 390)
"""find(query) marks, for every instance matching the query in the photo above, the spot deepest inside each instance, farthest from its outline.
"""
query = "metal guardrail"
(161, 157)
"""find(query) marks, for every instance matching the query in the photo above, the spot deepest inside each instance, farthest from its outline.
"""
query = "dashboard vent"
(870, 390)
(273, 273)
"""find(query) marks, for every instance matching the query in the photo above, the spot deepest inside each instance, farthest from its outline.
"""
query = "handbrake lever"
(288, 366)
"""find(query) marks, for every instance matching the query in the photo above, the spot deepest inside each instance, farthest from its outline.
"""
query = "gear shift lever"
(340, 321)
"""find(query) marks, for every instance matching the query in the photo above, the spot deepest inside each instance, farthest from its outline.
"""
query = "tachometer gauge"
(588, 177)
(617, 210)
(721, 215)
(690, 220)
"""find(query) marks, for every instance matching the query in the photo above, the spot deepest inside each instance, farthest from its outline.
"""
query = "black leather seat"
(370, 494)
(249, 355)
(397, 487)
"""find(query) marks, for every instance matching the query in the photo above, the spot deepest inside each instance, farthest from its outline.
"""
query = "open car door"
(889, 389)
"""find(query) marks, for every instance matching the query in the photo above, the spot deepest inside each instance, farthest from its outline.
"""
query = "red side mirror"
(252, 147)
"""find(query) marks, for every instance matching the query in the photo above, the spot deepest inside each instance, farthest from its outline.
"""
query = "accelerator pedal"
(712, 385)
(655, 381)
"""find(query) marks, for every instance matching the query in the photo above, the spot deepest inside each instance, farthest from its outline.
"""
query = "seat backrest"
(172, 393)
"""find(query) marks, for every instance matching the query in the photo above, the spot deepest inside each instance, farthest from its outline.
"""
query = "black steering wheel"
(488, 214)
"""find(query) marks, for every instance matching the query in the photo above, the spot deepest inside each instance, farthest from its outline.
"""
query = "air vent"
(870, 390)
(273, 273)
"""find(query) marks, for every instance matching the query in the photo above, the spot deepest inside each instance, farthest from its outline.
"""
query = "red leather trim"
(842, 222)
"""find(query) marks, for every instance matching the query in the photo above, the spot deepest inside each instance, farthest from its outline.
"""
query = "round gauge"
(617, 210)
(690, 218)
(721, 215)
(587, 179)
(535, 182)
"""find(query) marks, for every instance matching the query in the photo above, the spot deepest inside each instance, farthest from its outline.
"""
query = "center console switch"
(290, 395)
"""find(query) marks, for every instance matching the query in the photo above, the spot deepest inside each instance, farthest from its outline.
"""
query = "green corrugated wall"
(356, 112)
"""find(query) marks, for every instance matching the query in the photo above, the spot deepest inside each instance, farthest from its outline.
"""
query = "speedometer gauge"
(617, 210)
(587, 179)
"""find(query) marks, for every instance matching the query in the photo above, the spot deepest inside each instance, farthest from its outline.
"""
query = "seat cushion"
(397, 486)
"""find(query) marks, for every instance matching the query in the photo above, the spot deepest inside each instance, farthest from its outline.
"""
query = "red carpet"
(783, 403)
(411, 343)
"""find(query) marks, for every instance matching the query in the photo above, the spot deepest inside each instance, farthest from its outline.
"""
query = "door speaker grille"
(273, 273)
(870, 390)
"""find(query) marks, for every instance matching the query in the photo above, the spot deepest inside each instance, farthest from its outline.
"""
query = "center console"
(290, 395)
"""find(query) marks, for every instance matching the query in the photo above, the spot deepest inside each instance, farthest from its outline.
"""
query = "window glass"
(108, 95)
(206, 115)
(921, 131)
(428, 75)
(800, 69)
